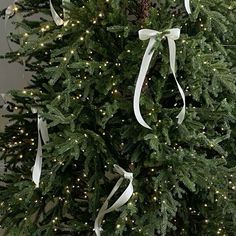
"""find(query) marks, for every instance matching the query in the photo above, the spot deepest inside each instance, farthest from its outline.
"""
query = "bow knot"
(128, 175)
(122, 172)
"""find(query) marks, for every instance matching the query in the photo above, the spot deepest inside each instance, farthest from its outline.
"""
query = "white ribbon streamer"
(42, 133)
(123, 199)
(5, 105)
(6, 99)
(145, 34)
(57, 19)
(187, 6)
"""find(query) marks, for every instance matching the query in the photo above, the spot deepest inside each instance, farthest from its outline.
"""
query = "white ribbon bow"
(145, 34)
(42, 133)
(187, 6)
(57, 19)
(124, 198)
(10, 11)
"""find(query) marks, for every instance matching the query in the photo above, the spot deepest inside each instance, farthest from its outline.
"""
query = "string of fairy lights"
(155, 197)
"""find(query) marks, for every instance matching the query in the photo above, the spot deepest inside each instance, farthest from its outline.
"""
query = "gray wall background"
(11, 75)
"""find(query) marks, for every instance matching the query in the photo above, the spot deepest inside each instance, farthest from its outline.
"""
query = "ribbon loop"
(42, 134)
(145, 34)
(124, 198)
(173, 34)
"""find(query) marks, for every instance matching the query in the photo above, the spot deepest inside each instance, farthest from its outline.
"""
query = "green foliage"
(83, 83)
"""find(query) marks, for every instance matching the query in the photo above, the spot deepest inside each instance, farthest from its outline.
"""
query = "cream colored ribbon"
(5, 101)
(57, 19)
(11, 10)
(42, 134)
(123, 199)
(187, 6)
(145, 34)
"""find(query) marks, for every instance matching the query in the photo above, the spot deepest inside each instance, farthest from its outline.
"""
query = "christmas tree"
(101, 98)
